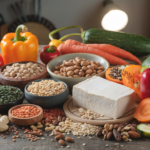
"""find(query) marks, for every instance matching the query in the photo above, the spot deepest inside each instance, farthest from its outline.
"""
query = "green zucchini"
(135, 44)
(144, 129)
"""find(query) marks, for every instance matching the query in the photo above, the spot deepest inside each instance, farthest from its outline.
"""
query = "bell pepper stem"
(73, 34)
(18, 37)
(50, 49)
(68, 27)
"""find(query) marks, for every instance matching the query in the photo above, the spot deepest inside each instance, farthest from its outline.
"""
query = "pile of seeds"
(115, 72)
(9, 94)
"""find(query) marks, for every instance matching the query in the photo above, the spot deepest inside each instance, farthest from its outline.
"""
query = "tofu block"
(104, 97)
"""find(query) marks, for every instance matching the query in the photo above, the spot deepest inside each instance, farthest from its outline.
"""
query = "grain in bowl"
(46, 88)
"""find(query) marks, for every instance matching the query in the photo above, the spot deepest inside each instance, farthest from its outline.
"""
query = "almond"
(59, 136)
(134, 134)
(69, 139)
(62, 142)
(57, 133)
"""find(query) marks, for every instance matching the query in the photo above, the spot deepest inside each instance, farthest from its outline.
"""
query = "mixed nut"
(78, 67)
(120, 131)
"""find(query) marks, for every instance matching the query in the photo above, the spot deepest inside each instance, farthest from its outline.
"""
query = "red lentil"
(26, 112)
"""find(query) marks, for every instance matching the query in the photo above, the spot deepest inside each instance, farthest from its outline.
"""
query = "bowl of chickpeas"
(19, 74)
(77, 67)
(47, 93)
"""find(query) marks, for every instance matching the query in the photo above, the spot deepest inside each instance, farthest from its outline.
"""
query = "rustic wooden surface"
(93, 143)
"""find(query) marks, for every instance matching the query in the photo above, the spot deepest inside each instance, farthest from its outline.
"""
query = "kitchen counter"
(92, 143)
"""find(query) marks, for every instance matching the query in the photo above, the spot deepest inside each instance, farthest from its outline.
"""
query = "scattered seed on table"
(42, 138)
(106, 145)
(6, 132)
(4, 137)
(14, 140)
(13, 137)
(84, 144)
(68, 146)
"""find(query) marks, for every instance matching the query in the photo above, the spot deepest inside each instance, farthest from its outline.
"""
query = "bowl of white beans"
(19, 74)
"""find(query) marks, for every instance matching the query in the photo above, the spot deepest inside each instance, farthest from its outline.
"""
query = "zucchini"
(144, 129)
(135, 44)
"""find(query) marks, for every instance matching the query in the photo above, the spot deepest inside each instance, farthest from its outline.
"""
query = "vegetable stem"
(68, 27)
(73, 34)
(18, 37)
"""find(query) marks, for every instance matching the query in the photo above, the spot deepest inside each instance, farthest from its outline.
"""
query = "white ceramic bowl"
(72, 81)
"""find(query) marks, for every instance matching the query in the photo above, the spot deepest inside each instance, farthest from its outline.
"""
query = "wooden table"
(93, 143)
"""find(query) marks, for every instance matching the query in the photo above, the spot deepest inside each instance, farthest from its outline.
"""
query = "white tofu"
(104, 97)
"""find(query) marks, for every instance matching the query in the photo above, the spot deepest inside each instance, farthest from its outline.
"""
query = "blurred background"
(43, 16)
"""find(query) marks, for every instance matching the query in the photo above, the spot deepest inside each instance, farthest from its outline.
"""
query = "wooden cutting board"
(70, 112)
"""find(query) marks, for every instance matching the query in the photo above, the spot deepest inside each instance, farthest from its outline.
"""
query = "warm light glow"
(114, 20)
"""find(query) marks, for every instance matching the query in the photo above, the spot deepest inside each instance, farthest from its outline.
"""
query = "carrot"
(116, 51)
(67, 48)
(142, 113)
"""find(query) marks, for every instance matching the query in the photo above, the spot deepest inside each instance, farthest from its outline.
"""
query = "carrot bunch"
(111, 53)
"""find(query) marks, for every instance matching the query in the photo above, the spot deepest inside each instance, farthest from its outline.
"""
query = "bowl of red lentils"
(47, 93)
(25, 114)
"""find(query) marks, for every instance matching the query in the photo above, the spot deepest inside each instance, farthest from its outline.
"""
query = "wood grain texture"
(25, 121)
(70, 112)
(21, 83)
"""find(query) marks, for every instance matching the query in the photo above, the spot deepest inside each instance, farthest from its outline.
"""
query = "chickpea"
(29, 65)
(17, 69)
(12, 74)
(6, 74)
(33, 66)
(21, 71)
(25, 71)
(27, 75)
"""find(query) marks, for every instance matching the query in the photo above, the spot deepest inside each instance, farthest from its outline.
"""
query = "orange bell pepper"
(18, 46)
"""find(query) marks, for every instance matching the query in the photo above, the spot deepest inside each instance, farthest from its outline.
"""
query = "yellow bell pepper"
(18, 46)
(56, 42)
